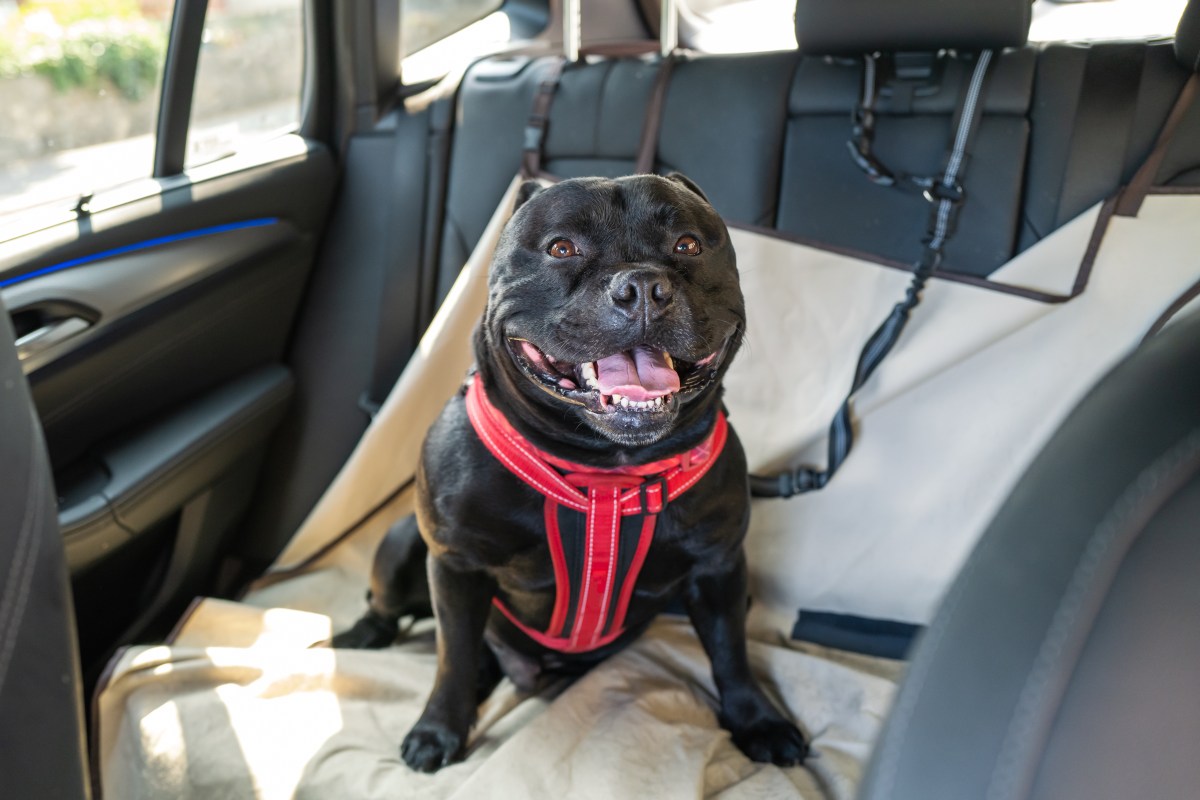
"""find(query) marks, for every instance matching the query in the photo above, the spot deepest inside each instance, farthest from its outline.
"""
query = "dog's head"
(613, 302)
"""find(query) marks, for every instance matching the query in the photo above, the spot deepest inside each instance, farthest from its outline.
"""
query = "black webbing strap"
(945, 193)
(862, 138)
(647, 155)
(539, 116)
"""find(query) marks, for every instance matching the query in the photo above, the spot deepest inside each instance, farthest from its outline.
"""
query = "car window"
(439, 36)
(250, 77)
(423, 22)
(79, 91)
(1112, 19)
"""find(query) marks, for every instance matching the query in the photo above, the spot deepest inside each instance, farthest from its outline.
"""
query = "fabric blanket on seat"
(255, 712)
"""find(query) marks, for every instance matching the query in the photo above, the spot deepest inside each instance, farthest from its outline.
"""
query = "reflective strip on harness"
(599, 523)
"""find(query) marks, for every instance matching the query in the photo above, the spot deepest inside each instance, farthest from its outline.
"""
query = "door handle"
(38, 341)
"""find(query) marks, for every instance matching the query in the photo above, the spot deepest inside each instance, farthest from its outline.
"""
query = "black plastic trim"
(156, 469)
(178, 85)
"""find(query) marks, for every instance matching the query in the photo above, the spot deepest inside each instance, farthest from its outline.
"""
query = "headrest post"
(572, 29)
(668, 28)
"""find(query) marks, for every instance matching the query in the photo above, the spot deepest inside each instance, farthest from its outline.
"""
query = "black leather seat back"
(828, 199)
(1063, 662)
(42, 747)
(722, 124)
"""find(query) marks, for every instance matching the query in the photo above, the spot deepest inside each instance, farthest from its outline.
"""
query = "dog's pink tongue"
(639, 374)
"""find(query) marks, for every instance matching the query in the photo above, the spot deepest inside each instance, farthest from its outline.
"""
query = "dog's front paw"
(371, 632)
(428, 747)
(771, 740)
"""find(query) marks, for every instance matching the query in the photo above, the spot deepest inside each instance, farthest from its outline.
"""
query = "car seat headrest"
(854, 27)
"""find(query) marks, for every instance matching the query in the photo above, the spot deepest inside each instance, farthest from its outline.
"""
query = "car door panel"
(125, 488)
(154, 335)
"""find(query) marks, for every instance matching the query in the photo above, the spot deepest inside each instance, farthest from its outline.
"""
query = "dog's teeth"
(589, 371)
(658, 401)
(591, 382)
(670, 361)
(624, 400)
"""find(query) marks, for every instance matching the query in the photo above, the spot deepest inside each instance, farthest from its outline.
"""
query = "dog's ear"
(528, 190)
(686, 182)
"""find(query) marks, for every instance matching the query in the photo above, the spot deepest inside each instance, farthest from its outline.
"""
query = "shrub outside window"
(79, 89)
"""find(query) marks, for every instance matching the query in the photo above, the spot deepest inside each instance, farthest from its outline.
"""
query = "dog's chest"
(573, 565)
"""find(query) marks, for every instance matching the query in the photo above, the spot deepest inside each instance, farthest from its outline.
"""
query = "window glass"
(423, 22)
(737, 26)
(250, 78)
(79, 87)
(457, 50)
(1112, 19)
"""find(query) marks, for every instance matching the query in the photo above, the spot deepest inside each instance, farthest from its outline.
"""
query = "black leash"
(945, 192)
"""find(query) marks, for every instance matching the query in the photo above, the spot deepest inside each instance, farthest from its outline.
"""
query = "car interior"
(198, 365)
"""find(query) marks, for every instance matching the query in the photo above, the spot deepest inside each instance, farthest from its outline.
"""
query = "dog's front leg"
(716, 603)
(461, 603)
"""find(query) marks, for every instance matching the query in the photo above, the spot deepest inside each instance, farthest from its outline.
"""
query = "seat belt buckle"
(535, 130)
(644, 494)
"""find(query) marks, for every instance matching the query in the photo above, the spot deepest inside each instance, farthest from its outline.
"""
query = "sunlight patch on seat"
(282, 719)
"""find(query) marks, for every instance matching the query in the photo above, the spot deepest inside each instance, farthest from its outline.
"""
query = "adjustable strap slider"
(535, 131)
(648, 505)
(936, 190)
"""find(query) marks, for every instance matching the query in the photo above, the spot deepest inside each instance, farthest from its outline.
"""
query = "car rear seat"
(1097, 110)
(826, 197)
(765, 136)
(723, 122)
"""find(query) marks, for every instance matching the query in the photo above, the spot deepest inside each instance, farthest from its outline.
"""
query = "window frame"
(168, 174)
(178, 87)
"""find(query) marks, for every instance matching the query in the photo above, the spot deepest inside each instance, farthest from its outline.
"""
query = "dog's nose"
(642, 292)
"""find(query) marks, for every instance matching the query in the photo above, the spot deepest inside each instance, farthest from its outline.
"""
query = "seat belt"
(647, 156)
(945, 193)
(402, 246)
(539, 117)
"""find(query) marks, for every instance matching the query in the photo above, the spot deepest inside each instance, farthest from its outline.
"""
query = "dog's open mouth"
(645, 379)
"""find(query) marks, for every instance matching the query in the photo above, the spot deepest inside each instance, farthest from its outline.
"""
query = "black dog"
(585, 477)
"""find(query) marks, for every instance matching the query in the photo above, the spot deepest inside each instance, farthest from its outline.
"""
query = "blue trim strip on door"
(133, 248)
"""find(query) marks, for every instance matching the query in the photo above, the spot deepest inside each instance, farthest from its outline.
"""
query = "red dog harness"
(599, 523)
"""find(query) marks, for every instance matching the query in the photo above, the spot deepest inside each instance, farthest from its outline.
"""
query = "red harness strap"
(605, 497)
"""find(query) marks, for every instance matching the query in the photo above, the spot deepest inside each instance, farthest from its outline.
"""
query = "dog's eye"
(563, 248)
(687, 246)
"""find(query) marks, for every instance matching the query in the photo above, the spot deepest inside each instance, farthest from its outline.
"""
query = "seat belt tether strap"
(946, 195)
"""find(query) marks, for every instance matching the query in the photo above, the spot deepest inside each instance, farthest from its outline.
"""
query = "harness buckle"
(644, 494)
